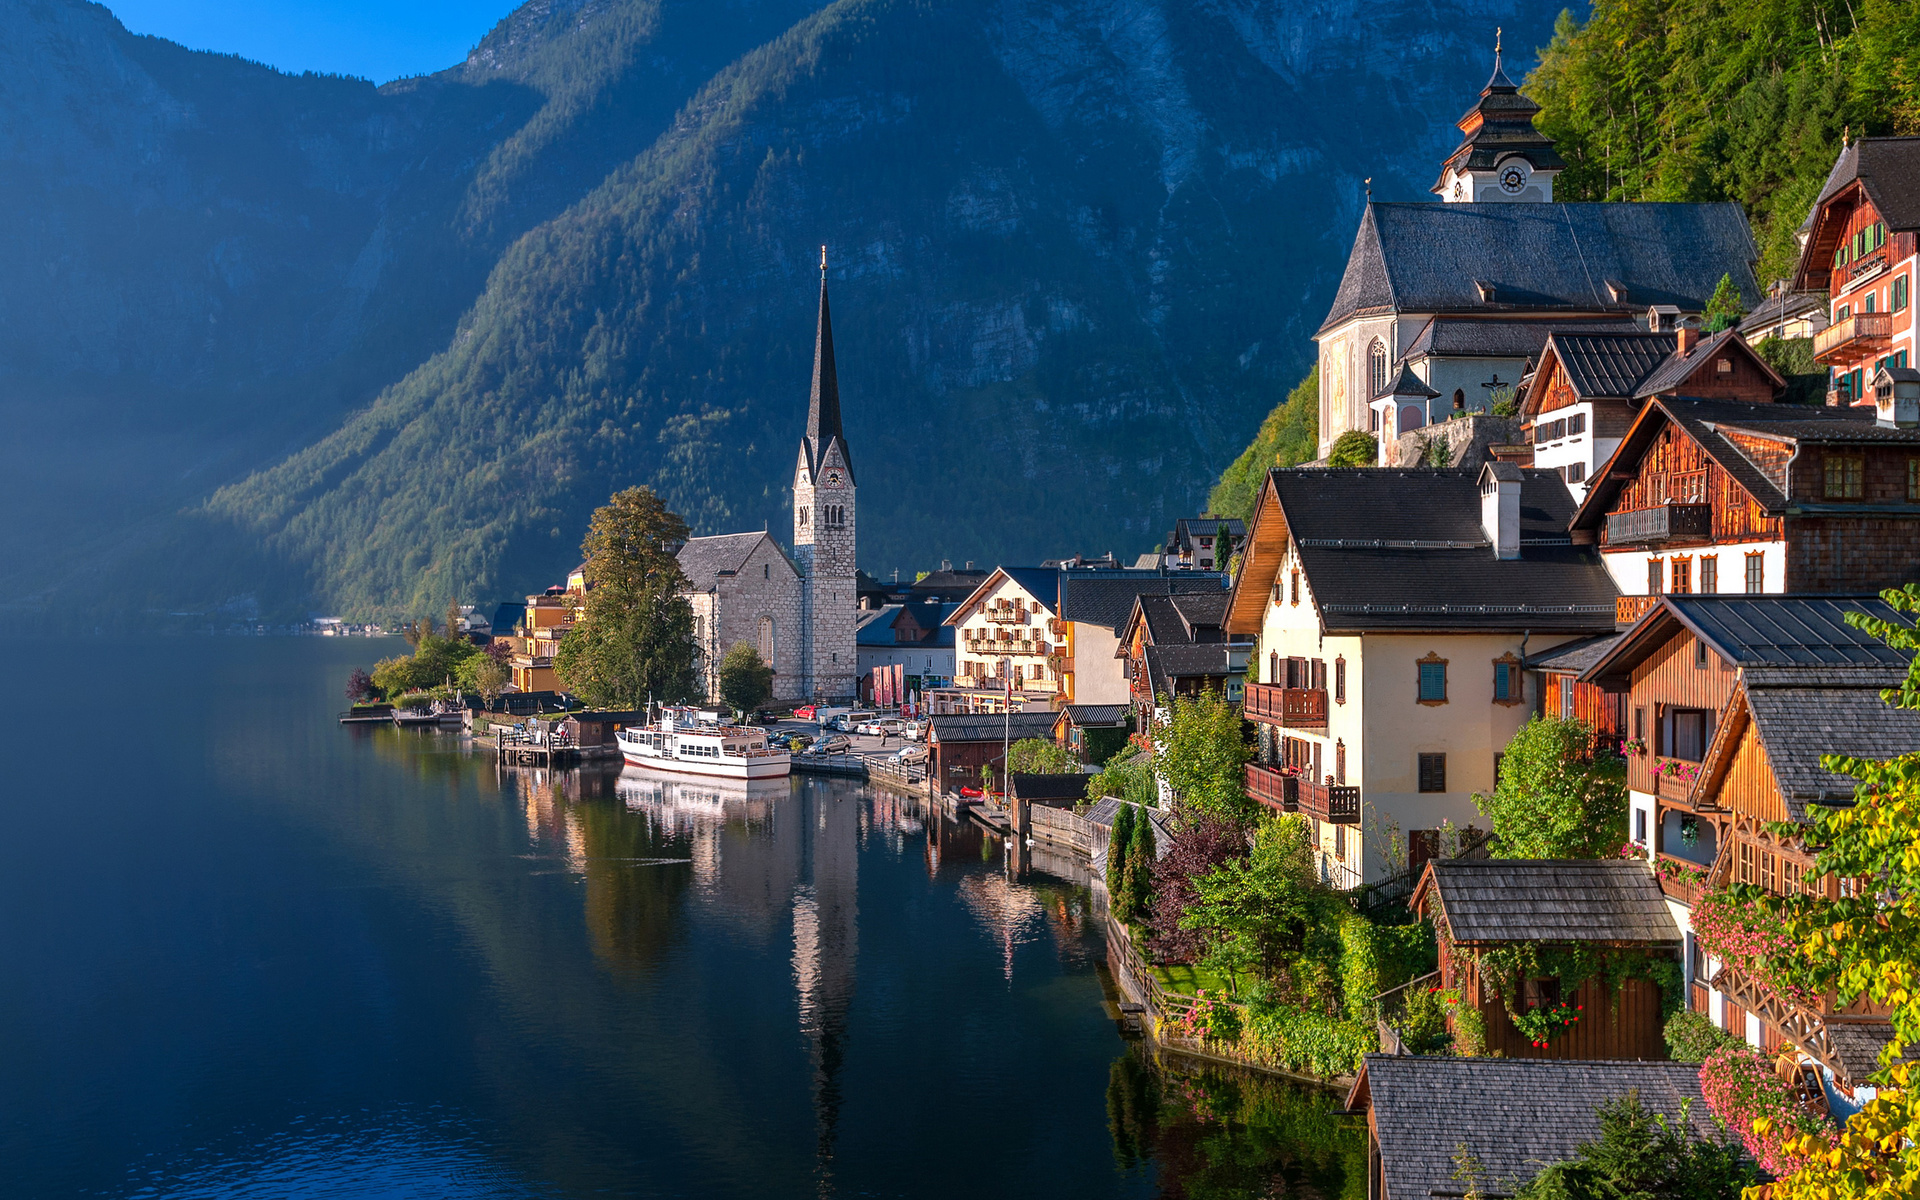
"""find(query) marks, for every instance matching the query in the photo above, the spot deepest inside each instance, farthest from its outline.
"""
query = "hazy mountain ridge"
(1078, 250)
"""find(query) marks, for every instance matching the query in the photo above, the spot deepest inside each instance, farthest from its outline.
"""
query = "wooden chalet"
(1092, 732)
(1563, 695)
(960, 744)
(1742, 696)
(1582, 397)
(1178, 646)
(1715, 496)
(1513, 1115)
(1610, 903)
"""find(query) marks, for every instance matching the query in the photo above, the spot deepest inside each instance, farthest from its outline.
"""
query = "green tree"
(1260, 910)
(1724, 308)
(1141, 853)
(1203, 756)
(1289, 436)
(490, 677)
(1642, 1155)
(635, 641)
(746, 681)
(1127, 776)
(1354, 448)
(1558, 796)
(1119, 880)
(1038, 756)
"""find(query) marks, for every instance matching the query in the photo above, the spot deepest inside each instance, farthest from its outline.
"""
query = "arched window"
(1377, 367)
(766, 640)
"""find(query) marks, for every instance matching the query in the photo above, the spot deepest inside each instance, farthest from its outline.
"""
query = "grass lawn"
(1189, 980)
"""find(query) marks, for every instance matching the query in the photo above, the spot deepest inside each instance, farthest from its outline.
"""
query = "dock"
(535, 749)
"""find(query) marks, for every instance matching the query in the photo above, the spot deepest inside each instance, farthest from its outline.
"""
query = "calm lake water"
(249, 952)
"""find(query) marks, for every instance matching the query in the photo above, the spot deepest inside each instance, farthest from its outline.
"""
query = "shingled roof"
(1468, 337)
(1778, 639)
(990, 727)
(1610, 366)
(1487, 259)
(1514, 1116)
(703, 558)
(1797, 725)
(1547, 900)
(1404, 549)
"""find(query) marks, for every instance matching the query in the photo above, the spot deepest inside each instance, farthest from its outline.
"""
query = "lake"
(250, 952)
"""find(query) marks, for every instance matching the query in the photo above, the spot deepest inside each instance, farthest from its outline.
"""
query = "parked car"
(914, 732)
(834, 744)
(884, 727)
(911, 755)
(806, 712)
(851, 720)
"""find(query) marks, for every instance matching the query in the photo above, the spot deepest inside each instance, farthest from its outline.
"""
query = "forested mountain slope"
(1078, 248)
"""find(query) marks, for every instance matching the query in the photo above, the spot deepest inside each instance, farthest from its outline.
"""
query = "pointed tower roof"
(1500, 125)
(823, 408)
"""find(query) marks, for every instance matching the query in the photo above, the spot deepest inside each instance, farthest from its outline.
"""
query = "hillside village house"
(1394, 610)
(1583, 395)
(1203, 543)
(1040, 638)
(1734, 699)
(1716, 496)
(1466, 291)
(536, 637)
(913, 636)
(1859, 249)
(1179, 646)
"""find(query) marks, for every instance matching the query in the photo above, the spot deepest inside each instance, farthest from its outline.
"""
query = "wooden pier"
(535, 749)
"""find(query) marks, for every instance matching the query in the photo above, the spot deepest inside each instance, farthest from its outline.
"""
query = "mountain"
(363, 349)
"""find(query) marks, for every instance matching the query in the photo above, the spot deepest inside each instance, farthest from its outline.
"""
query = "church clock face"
(1512, 180)
(834, 478)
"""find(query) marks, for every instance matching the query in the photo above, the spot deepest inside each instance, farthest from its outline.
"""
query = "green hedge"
(1309, 1042)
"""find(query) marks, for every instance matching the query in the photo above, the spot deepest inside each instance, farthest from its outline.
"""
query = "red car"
(806, 712)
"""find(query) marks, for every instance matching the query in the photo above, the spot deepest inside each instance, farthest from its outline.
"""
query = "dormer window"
(1616, 291)
(1487, 291)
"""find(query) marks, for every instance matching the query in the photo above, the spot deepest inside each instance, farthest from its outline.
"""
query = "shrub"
(1741, 1090)
(1354, 448)
(1557, 797)
(1734, 928)
(1423, 1020)
(1303, 1040)
(1692, 1037)
(1378, 958)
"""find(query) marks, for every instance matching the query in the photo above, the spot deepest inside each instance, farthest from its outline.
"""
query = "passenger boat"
(683, 742)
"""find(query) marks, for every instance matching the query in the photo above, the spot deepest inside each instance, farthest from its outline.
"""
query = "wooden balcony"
(1006, 616)
(1271, 787)
(1681, 879)
(1628, 609)
(1660, 523)
(1289, 708)
(1336, 804)
(1677, 786)
(1851, 337)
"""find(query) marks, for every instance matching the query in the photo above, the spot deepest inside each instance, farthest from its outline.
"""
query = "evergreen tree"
(1141, 853)
(1119, 879)
(1724, 309)
(635, 642)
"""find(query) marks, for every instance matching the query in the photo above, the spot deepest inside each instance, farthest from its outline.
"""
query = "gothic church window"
(1377, 367)
(766, 640)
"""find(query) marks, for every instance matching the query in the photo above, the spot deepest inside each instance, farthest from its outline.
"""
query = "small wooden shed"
(596, 729)
(1613, 906)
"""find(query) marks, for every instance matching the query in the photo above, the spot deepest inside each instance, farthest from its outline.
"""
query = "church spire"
(823, 410)
(1501, 155)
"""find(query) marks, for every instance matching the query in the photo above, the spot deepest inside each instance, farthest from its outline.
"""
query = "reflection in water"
(1230, 1133)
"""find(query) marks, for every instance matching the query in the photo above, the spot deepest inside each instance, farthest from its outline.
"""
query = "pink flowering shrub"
(1741, 1090)
(1753, 939)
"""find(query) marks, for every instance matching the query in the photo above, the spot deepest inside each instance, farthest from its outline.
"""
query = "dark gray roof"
(1610, 366)
(1097, 715)
(1575, 656)
(1466, 337)
(991, 727)
(1165, 664)
(703, 558)
(1672, 374)
(1408, 384)
(1552, 900)
(1797, 725)
(876, 627)
(1435, 258)
(1889, 169)
(1787, 306)
(1403, 549)
(1046, 788)
(1515, 1116)
(949, 584)
(1789, 631)
(1857, 1044)
(1183, 619)
(1105, 597)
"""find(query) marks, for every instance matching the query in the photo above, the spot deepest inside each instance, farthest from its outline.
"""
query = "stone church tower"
(823, 529)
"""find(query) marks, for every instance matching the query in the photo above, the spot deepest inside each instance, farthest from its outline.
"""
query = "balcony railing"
(1273, 788)
(1290, 708)
(1628, 609)
(1336, 804)
(1659, 523)
(1017, 646)
(1861, 333)
(1673, 778)
(1007, 616)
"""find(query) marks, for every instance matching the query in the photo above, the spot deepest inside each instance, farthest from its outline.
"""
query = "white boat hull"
(771, 766)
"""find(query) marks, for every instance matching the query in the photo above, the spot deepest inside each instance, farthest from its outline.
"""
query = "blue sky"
(375, 39)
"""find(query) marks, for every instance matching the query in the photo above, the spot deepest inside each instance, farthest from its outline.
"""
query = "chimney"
(1688, 335)
(1896, 396)
(1500, 508)
(946, 564)
(969, 564)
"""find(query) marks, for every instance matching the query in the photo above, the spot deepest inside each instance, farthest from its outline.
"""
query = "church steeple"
(1502, 156)
(823, 409)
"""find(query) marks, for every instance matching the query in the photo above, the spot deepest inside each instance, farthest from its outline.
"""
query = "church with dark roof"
(799, 611)
(1443, 306)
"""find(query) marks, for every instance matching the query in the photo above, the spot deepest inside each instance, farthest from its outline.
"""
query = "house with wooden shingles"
(1582, 397)
(1738, 698)
(1394, 609)
(1178, 646)
(1716, 496)
(1610, 908)
(1512, 1117)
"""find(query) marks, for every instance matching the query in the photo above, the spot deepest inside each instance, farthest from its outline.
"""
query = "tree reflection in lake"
(1226, 1134)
